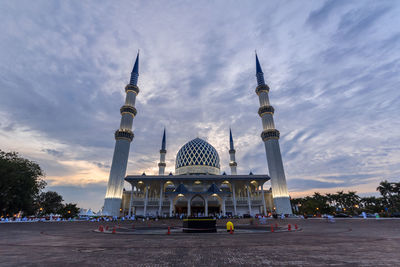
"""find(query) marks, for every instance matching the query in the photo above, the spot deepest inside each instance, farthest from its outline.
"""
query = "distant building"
(197, 187)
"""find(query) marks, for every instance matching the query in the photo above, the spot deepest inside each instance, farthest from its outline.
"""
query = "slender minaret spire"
(163, 151)
(232, 151)
(270, 136)
(123, 139)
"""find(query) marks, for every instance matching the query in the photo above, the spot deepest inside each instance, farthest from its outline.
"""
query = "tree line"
(350, 203)
(21, 190)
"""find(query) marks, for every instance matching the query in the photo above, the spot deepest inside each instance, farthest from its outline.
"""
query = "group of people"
(32, 219)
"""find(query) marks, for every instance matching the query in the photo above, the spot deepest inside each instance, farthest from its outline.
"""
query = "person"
(229, 226)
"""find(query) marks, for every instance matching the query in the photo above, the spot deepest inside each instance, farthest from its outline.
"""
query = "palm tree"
(386, 189)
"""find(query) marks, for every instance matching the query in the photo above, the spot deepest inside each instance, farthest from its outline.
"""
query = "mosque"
(197, 188)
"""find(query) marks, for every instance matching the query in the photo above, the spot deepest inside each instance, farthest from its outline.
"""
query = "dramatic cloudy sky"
(333, 68)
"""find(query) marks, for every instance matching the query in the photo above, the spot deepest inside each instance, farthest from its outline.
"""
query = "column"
(145, 200)
(130, 202)
(270, 136)
(234, 198)
(248, 198)
(206, 206)
(161, 199)
(123, 137)
(263, 199)
(171, 204)
(223, 207)
(188, 206)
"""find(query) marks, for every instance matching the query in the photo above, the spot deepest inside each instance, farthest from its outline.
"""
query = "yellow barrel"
(229, 226)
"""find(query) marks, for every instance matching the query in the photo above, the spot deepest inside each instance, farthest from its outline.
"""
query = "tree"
(371, 204)
(385, 188)
(391, 195)
(20, 183)
(50, 202)
(69, 210)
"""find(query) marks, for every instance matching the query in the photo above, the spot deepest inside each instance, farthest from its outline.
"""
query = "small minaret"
(232, 151)
(123, 139)
(270, 136)
(163, 151)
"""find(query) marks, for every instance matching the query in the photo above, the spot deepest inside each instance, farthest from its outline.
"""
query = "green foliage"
(350, 202)
(69, 210)
(20, 183)
(390, 195)
(50, 202)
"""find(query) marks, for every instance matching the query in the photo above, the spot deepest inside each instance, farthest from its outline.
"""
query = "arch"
(168, 183)
(179, 203)
(214, 207)
(197, 205)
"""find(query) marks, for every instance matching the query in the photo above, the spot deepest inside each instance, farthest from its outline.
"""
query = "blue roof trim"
(135, 72)
(231, 140)
(258, 66)
(163, 145)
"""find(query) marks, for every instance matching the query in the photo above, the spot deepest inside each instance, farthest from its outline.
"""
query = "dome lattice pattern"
(197, 153)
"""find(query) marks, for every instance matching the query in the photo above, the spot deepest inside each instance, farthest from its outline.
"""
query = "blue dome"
(197, 156)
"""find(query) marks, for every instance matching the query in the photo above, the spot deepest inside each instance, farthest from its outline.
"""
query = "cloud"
(53, 152)
(332, 68)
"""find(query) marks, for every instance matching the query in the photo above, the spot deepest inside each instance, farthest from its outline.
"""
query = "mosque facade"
(197, 188)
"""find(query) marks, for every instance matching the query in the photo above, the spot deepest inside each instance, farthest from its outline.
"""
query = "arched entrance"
(214, 205)
(180, 203)
(197, 206)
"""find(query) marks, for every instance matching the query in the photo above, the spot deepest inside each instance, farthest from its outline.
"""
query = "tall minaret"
(232, 151)
(123, 139)
(163, 151)
(270, 136)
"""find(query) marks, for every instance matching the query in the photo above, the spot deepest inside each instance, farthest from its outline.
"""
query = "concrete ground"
(348, 242)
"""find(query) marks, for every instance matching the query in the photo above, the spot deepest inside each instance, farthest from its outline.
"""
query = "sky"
(333, 68)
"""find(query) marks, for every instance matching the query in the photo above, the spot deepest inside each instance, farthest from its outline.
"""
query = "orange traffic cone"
(295, 227)
(231, 231)
(113, 231)
(272, 228)
(101, 229)
(169, 230)
(289, 227)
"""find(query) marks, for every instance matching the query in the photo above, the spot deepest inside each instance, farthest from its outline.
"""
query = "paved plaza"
(347, 242)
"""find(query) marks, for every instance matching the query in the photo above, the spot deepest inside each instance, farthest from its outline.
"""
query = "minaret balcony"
(128, 109)
(163, 151)
(162, 164)
(262, 88)
(232, 164)
(132, 88)
(124, 134)
(265, 110)
(232, 151)
(270, 134)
